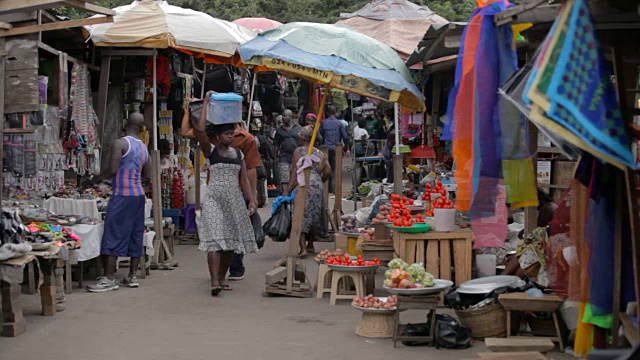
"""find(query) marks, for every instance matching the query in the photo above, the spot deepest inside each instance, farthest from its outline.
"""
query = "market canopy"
(337, 56)
(257, 24)
(400, 24)
(158, 25)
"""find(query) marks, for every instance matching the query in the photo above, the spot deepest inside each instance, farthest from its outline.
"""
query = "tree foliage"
(323, 11)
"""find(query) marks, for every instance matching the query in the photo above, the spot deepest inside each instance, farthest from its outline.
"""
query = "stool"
(523, 302)
(376, 325)
(323, 282)
(358, 281)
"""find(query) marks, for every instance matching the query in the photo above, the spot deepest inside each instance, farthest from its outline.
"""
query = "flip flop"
(215, 291)
(226, 287)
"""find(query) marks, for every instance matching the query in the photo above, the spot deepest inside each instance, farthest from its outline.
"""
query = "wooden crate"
(21, 91)
(438, 251)
(22, 52)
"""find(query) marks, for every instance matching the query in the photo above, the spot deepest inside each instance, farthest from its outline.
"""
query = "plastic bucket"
(444, 219)
(486, 264)
(191, 196)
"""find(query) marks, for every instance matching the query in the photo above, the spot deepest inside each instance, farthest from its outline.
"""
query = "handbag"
(256, 223)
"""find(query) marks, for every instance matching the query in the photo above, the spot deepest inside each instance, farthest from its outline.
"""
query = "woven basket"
(377, 326)
(488, 321)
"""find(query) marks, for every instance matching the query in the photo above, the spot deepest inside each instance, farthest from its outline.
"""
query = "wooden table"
(438, 251)
(416, 302)
(52, 297)
(523, 302)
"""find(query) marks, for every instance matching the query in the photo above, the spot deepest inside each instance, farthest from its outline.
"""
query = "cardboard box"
(340, 242)
(563, 172)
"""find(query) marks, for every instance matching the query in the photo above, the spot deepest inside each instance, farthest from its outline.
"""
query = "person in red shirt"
(247, 143)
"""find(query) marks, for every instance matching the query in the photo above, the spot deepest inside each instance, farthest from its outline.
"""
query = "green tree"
(323, 11)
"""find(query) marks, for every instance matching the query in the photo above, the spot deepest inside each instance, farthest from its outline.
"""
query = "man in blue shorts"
(124, 221)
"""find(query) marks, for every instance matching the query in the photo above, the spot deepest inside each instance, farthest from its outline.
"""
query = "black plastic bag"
(415, 330)
(256, 222)
(279, 225)
(451, 333)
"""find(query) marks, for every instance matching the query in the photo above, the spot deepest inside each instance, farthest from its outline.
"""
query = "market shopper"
(224, 225)
(360, 137)
(124, 221)
(285, 142)
(247, 143)
(334, 133)
(313, 224)
(388, 156)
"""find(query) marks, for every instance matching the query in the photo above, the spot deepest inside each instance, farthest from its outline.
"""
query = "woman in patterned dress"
(224, 226)
(314, 224)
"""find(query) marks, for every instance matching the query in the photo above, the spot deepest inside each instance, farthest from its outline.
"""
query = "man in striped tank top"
(124, 221)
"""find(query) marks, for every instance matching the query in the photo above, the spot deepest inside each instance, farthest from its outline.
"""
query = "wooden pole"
(299, 202)
(397, 158)
(251, 95)
(337, 203)
(157, 203)
(2, 75)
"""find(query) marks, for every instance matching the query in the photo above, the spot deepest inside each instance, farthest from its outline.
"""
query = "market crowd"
(240, 160)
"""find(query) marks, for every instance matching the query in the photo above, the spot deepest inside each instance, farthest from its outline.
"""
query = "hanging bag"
(279, 225)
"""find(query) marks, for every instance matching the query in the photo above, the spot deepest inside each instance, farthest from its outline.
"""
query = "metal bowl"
(353, 268)
(438, 287)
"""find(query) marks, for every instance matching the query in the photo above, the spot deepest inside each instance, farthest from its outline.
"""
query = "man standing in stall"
(286, 142)
(334, 133)
(124, 221)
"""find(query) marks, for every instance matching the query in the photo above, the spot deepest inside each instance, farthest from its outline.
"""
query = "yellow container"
(352, 249)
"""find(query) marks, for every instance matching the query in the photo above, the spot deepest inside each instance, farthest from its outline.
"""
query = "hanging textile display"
(570, 91)
(81, 142)
(568, 94)
(489, 134)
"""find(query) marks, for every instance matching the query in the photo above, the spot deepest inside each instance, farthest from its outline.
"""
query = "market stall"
(173, 29)
(287, 50)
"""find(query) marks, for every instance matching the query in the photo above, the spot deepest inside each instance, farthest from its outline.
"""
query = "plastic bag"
(256, 222)
(279, 225)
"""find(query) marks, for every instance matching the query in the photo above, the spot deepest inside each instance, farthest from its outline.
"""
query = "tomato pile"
(346, 261)
(437, 189)
(400, 215)
(372, 302)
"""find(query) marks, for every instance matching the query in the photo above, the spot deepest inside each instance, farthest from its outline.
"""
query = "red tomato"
(427, 186)
(411, 201)
(443, 192)
(439, 183)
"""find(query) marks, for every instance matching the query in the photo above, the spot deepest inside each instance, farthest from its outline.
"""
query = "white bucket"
(444, 219)
(486, 264)
(191, 196)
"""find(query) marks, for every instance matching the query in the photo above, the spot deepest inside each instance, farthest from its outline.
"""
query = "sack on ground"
(279, 225)
(256, 222)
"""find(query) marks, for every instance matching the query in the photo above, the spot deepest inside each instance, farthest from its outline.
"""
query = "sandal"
(303, 255)
(215, 290)
(226, 287)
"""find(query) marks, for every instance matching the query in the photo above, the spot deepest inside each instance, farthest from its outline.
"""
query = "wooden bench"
(438, 251)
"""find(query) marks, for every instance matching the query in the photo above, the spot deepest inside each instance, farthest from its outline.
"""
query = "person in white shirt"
(360, 137)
